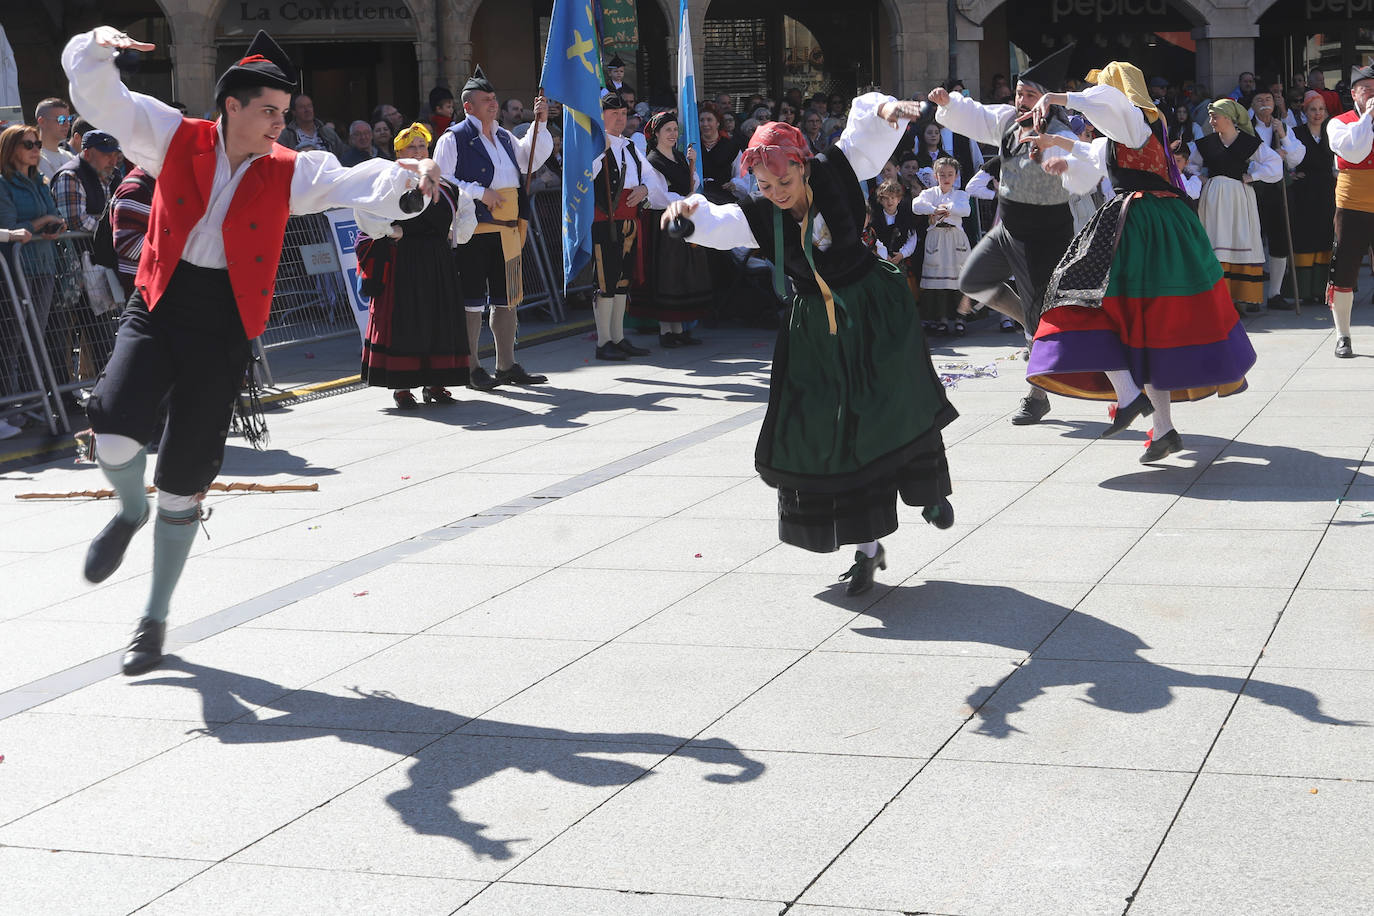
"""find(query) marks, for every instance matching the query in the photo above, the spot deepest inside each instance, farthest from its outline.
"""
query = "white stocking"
(869, 549)
(1162, 402)
(1342, 301)
(665, 327)
(602, 310)
(1126, 388)
(1278, 267)
(618, 318)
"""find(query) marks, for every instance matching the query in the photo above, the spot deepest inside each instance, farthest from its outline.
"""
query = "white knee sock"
(1342, 301)
(665, 327)
(1278, 268)
(618, 318)
(602, 309)
(869, 549)
(677, 327)
(1124, 384)
(1162, 402)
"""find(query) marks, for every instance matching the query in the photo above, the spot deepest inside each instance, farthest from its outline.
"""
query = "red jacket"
(1350, 117)
(254, 225)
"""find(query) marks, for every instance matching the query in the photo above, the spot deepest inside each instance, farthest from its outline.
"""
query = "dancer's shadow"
(436, 774)
(956, 612)
(243, 461)
(1285, 473)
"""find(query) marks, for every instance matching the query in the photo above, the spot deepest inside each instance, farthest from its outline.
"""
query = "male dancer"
(618, 185)
(1351, 136)
(204, 286)
(1036, 225)
(490, 163)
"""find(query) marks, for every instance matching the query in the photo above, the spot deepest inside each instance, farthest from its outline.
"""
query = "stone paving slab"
(484, 670)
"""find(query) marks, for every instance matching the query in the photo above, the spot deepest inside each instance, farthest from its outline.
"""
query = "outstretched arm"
(876, 122)
(721, 226)
(978, 122)
(374, 186)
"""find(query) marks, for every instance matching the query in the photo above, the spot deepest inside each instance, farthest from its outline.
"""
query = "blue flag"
(689, 129)
(572, 74)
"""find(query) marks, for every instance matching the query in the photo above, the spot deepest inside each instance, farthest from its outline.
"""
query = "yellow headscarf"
(1131, 82)
(1236, 112)
(407, 136)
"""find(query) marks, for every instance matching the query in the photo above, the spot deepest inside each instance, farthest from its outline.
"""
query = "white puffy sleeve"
(1352, 142)
(721, 226)
(868, 141)
(659, 195)
(979, 122)
(1292, 149)
(981, 186)
(959, 204)
(1087, 166)
(321, 183)
(142, 125)
(540, 147)
(1265, 165)
(1112, 114)
(923, 204)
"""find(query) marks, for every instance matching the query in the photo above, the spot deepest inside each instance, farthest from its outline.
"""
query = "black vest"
(675, 171)
(1224, 161)
(96, 192)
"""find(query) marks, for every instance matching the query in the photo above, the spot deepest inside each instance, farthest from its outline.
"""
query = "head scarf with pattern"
(408, 135)
(1128, 79)
(1234, 110)
(773, 146)
(656, 124)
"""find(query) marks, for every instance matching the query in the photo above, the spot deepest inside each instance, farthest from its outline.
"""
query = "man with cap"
(618, 178)
(83, 186)
(1036, 221)
(1351, 135)
(490, 164)
(224, 191)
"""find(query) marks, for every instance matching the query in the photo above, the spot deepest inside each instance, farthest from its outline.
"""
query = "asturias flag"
(572, 74)
(689, 129)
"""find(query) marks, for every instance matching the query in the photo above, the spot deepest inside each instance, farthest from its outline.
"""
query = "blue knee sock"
(127, 480)
(172, 537)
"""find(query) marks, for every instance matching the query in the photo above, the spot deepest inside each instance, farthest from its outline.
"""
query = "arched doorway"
(769, 46)
(1298, 36)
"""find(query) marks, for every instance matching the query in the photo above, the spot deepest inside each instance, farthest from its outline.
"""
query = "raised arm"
(876, 122)
(143, 125)
(375, 186)
(979, 122)
(1111, 114)
(1352, 141)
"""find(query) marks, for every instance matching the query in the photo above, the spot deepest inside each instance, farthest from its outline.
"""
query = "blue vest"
(475, 165)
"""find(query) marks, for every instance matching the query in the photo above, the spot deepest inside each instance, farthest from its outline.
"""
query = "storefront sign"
(1327, 9)
(297, 18)
(620, 29)
(1098, 10)
(344, 235)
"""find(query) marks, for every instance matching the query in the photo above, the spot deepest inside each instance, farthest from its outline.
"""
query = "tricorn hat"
(1048, 73)
(478, 82)
(612, 100)
(265, 65)
(616, 62)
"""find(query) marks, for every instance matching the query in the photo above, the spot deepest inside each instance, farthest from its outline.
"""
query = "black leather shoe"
(630, 349)
(1125, 416)
(438, 394)
(1343, 348)
(941, 515)
(1162, 447)
(686, 339)
(145, 652)
(107, 550)
(669, 341)
(481, 380)
(610, 351)
(1032, 410)
(860, 575)
(405, 400)
(1278, 303)
(516, 375)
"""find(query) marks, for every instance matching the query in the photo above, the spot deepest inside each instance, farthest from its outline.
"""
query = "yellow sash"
(507, 221)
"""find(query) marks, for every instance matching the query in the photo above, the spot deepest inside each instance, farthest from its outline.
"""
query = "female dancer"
(1138, 297)
(416, 332)
(1234, 157)
(1312, 203)
(676, 285)
(855, 408)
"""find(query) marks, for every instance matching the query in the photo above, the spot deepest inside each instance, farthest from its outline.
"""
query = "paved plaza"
(540, 652)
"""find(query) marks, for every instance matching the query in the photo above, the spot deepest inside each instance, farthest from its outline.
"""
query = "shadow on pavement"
(1292, 469)
(957, 612)
(436, 773)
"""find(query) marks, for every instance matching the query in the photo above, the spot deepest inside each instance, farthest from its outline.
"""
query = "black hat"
(438, 96)
(1361, 73)
(612, 100)
(479, 82)
(616, 62)
(265, 65)
(99, 140)
(1048, 74)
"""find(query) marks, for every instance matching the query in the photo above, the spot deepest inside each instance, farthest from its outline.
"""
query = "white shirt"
(49, 161)
(1290, 147)
(1352, 141)
(987, 123)
(932, 199)
(908, 247)
(505, 174)
(144, 127)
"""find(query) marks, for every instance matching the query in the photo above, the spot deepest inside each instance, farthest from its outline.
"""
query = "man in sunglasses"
(54, 119)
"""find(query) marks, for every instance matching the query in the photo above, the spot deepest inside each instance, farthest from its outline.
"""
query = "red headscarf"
(774, 145)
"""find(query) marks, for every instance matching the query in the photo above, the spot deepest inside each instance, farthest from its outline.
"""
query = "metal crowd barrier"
(309, 304)
(547, 207)
(24, 379)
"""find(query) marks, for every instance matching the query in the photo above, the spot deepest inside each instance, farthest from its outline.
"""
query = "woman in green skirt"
(855, 408)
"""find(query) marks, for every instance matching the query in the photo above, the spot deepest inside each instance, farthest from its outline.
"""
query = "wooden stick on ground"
(236, 486)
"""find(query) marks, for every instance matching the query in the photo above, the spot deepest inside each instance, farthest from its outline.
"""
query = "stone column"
(1224, 51)
(193, 54)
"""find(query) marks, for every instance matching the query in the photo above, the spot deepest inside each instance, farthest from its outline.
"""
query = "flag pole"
(534, 140)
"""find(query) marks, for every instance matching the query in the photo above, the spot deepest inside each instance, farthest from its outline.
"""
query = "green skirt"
(854, 417)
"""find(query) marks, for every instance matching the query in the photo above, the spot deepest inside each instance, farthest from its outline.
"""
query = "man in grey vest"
(1036, 224)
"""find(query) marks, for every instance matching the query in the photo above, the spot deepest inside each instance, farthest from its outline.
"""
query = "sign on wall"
(344, 232)
(620, 30)
(297, 18)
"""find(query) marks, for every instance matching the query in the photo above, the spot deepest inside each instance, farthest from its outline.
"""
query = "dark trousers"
(1354, 235)
(190, 349)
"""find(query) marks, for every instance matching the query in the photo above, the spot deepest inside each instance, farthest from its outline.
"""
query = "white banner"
(344, 232)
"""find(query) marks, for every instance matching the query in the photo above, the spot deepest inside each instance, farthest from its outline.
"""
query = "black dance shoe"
(860, 575)
(480, 379)
(669, 341)
(630, 349)
(438, 394)
(145, 652)
(941, 515)
(1032, 410)
(1125, 416)
(405, 400)
(516, 375)
(1163, 447)
(1343, 348)
(107, 550)
(610, 351)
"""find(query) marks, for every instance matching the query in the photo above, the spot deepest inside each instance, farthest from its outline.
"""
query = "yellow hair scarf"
(407, 136)
(1236, 112)
(1128, 79)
